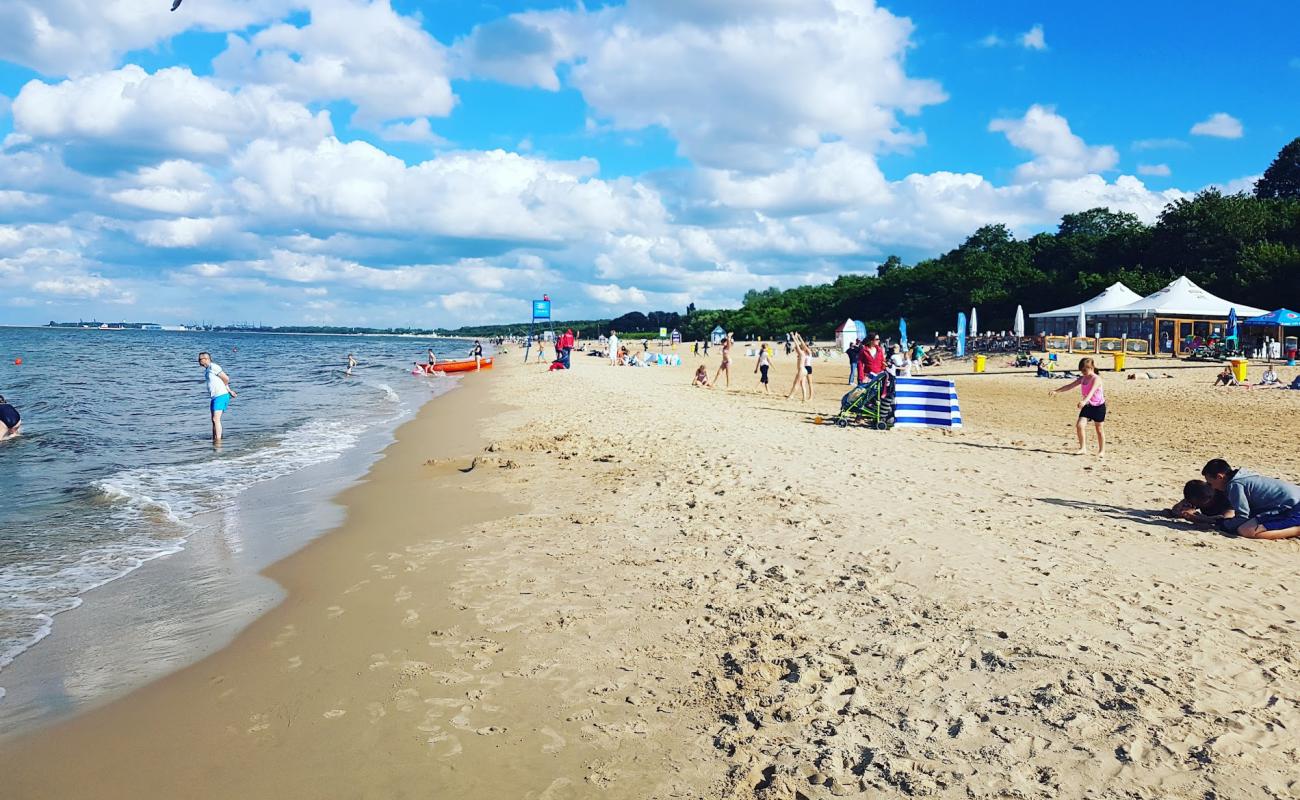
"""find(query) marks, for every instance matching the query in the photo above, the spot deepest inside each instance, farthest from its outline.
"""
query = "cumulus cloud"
(614, 295)
(735, 84)
(1058, 152)
(68, 37)
(1160, 170)
(169, 112)
(1033, 39)
(1220, 125)
(417, 130)
(469, 195)
(363, 52)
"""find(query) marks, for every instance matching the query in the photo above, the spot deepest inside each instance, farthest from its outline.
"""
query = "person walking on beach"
(1092, 407)
(764, 363)
(613, 348)
(725, 368)
(219, 390)
(696, 352)
(854, 349)
(1259, 507)
(11, 422)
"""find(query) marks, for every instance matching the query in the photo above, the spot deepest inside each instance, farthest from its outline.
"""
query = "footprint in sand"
(376, 711)
(411, 618)
(259, 722)
(356, 587)
(294, 662)
(403, 594)
(556, 741)
(551, 792)
(334, 612)
(334, 713)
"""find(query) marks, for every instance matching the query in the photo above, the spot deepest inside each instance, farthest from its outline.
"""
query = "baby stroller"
(871, 403)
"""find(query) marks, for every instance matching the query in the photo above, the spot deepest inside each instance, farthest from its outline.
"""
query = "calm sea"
(115, 470)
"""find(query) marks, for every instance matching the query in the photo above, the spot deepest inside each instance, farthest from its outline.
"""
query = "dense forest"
(1241, 246)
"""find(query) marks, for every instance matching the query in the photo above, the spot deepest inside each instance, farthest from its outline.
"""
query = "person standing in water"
(477, 352)
(11, 422)
(1091, 407)
(352, 363)
(219, 390)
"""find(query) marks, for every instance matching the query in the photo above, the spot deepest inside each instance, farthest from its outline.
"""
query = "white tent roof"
(848, 326)
(1186, 298)
(1117, 295)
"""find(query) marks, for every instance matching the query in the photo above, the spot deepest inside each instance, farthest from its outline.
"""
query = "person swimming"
(11, 422)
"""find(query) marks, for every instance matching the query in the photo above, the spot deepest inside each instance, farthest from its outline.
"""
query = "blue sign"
(541, 309)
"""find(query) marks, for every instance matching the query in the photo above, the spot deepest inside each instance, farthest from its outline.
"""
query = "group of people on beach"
(1241, 502)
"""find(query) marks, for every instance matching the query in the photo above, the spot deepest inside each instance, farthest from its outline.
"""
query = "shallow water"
(115, 469)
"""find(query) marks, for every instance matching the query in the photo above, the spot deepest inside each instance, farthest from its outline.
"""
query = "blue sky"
(353, 162)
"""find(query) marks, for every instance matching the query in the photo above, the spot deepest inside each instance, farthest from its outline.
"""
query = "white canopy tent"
(1182, 298)
(1117, 295)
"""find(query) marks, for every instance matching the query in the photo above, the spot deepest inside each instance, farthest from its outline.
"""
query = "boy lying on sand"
(1258, 507)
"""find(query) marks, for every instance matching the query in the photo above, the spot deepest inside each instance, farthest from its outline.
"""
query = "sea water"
(115, 470)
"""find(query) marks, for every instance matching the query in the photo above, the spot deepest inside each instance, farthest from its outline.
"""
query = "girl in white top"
(900, 366)
(764, 364)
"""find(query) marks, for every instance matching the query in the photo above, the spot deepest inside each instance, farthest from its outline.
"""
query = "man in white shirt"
(219, 389)
(613, 348)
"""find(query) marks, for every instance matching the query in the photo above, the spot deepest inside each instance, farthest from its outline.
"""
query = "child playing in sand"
(1258, 507)
(1091, 407)
(702, 378)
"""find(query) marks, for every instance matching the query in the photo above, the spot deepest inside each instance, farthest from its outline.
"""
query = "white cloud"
(1058, 152)
(356, 50)
(1161, 170)
(614, 295)
(1032, 39)
(417, 130)
(68, 37)
(736, 85)
(992, 40)
(1220, 125)
(355, 186)
(171, 111)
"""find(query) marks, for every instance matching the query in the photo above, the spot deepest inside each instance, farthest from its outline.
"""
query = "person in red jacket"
(566, 346)
(871, 359)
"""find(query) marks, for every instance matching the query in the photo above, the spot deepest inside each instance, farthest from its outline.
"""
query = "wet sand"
(642, 589)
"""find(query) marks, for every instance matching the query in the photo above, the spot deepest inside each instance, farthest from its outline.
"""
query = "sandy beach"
(606, 583)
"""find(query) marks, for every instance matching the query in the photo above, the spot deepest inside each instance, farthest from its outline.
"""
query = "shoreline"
(282, 577)
(704, 594)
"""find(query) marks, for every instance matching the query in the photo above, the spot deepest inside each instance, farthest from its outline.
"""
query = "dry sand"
(647, 590)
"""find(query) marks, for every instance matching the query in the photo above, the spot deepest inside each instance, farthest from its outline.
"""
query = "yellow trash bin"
(1119, 361)
(1239, 368)
(979, 363)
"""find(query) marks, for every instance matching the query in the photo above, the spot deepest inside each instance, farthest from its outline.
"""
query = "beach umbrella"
(974, 323)
(961, 334)
(1081, 325)
(1232, 323)
(902, 331)
(1018, 327)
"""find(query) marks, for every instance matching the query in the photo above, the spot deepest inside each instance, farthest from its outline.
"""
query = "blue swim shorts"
(220, 402)
(1276, 521)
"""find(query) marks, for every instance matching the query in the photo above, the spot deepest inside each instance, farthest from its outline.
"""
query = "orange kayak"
(461, 365)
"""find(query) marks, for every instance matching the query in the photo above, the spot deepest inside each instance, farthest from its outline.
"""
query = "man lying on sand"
(1259, 507)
